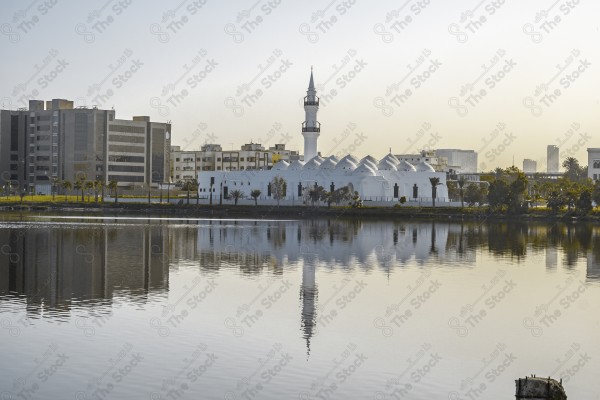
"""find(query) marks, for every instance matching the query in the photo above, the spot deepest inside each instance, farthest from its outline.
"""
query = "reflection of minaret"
(308, 296)
(551, 257)
(311, 128)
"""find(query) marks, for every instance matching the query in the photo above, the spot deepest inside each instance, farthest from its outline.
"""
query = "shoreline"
(297, 212)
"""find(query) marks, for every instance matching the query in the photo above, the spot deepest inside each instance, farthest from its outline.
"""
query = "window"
(596, 164)
(241, 158)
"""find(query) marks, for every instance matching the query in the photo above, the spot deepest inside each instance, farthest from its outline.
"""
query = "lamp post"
(169, 191)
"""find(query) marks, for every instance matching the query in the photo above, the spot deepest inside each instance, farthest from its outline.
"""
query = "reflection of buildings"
(57, 266)
(551, 257)
(347, 242)
(593, 266)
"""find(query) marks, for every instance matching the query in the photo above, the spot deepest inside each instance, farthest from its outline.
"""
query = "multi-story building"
(552, 160)
(439, 164)
(459, 161)
(529, 166)
(594, 163)
(53, 141)
(212, 157)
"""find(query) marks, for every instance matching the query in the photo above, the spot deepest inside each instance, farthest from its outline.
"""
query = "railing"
(311, 128)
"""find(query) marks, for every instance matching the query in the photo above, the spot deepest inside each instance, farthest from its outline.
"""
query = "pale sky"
(504, 78)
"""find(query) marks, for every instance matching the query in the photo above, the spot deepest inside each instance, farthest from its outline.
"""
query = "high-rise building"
(552, 159)
(529, 166)
(53, 141)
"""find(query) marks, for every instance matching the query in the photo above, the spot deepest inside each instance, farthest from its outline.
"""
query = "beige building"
(212, 157)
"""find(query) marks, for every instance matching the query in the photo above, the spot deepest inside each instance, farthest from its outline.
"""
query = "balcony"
(311, 102)
(311, 128)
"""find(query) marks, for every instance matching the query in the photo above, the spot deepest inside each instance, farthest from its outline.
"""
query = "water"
(151, 308)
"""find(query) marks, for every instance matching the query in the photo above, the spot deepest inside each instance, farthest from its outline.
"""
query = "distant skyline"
(502, 78)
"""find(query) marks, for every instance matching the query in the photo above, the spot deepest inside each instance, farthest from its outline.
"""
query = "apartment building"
(54, 141)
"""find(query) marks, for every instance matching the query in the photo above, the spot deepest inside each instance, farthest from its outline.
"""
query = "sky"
(505, 78)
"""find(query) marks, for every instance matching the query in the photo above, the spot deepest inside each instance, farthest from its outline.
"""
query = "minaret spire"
(311, 128)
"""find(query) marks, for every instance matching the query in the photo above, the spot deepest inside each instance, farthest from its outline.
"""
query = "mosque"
(382, 181)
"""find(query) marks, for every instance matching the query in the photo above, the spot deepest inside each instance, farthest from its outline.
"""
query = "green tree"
(278, 188)
(596, 193)
(80, 185)
(555, 201)
(190, 186)
(584, 202)
(89, 186)
(317, 193)
(573, 171)
(255, 194)
(341, 195)
(475, 194)
(67, 187)
(435, 182)
(236, 195)
(112, 187)
(98, 187)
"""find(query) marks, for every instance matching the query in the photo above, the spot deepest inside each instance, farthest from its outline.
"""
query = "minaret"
(311, 128)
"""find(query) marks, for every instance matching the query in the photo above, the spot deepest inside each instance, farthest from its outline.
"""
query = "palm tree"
(98, 186)
(461, 184)
(89, 185)
(435, 181)
(79, 185)
(255, 195)
(112, 187)
(67, 186)
(236, 195)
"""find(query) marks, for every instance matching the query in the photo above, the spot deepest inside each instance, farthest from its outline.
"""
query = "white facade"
(461, 161)
(385, 180)
(594, 163)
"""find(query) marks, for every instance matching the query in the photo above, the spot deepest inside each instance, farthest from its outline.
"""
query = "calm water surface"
(138, 308)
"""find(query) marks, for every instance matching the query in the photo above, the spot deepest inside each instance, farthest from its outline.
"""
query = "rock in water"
(533, 388)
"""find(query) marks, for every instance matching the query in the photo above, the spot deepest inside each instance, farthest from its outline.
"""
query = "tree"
(461, 184)
(112, 186)
(475, 194)
(89, 185)
(278, 188)
(596, 193)
(80, 185)
(255, 194)
(190, 185)
(317, 193)
(507, 190)
(584, 203)
(435, 182)
(55, 182)
(573, 170)
(341, 195)
(402, 200)
(236, 195)
(555, 201)
(355, 201)
(67, 186)
(98, 187)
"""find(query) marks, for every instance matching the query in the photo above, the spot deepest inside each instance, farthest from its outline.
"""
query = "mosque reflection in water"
(54, 266)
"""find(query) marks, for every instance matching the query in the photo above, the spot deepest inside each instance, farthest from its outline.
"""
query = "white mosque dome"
(281, 165)
(424, 167)
(296, 165)
(350, 157)
(405, 166)
(370, 158)
(365, 170)
(319, 158)
(334, 159)
(369, 163)
(328, 164)
(386, 165)
(345, 164)
(312, 164)
(392, 158)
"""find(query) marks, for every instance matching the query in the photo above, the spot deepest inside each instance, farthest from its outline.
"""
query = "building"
(385, 180)
(459, 161)
(211, 157)
(53, 141)
(529, 166)
(429, 156)
(594, 163)
(552, 159)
